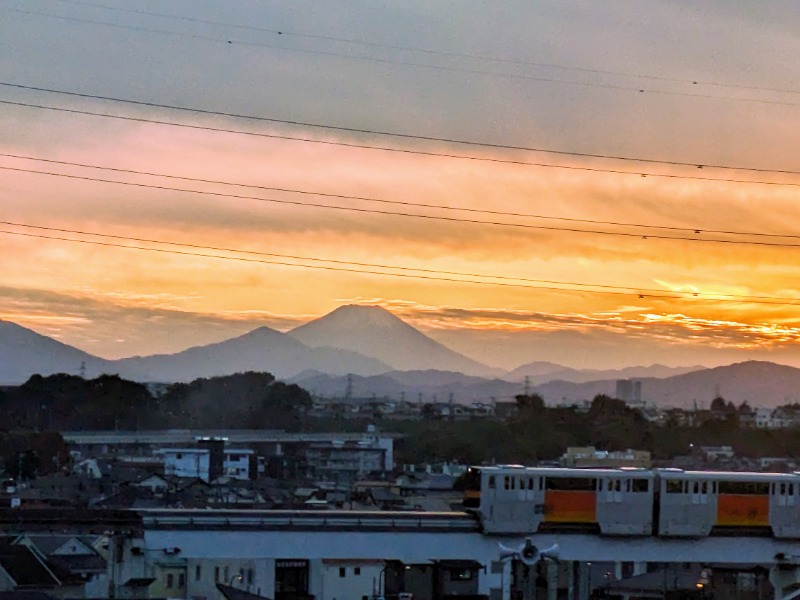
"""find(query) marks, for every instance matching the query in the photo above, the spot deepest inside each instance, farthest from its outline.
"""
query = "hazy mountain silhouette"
(760, 383)
(414, 386)
(24, 353)
(541, 372)
(262, 349)
(423, 366)
(374, 331)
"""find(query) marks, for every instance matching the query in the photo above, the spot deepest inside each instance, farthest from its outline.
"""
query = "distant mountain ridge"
(263, 349)
(759, 383)
(324, 368)
(24, 352)
(543, 372)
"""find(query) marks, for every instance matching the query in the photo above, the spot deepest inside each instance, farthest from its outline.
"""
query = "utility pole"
(348, 395)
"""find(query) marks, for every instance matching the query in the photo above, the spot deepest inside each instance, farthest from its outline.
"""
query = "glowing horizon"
(116, 302)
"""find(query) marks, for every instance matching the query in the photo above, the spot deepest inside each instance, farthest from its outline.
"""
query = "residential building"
(197, 463)
(589, 457)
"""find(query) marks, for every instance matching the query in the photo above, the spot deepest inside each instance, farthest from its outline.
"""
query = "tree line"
(541, 433)
(258, 401)
(68, 402)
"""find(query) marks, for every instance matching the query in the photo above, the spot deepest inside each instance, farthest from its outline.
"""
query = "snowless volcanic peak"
(374, 331)
(360, 314)
(354, 321)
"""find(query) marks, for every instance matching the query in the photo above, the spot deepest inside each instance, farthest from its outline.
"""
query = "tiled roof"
(25, 568)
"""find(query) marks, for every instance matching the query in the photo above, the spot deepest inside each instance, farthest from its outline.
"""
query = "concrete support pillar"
(552, 580)
(571, 566)
(528, 582)
(506, 580)
(584, 580)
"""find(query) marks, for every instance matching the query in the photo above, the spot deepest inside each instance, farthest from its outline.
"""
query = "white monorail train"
(634, 502)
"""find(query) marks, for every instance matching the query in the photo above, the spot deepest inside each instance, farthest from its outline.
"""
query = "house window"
(169, 580)
(181, 580)
(356, 570)
(178, 456)
(460, 575)
(342, 571)
(197, 573)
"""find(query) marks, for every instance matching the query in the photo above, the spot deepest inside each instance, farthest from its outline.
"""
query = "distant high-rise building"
(629, 390)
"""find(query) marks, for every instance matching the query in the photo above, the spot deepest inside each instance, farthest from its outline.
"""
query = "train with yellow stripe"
(513, 499)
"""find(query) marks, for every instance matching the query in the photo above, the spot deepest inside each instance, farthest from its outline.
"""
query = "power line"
(494, 59)
(410, 151)
(603, 289)
(406, 136)
(694, 230)
(647, 236)
(333, 261)
(470, 71)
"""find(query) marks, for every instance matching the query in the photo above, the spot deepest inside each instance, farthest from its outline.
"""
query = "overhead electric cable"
(647, 236)
(604, 289)
(470, 71)
(402, 136)
(446, 53)
(649, 226)
(403, 150)
(339, 262)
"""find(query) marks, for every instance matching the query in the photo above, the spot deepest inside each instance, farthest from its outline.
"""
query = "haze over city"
(501, 251)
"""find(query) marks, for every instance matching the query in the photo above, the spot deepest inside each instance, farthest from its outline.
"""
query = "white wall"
(352, 586)
(187, 463)
(263, 547)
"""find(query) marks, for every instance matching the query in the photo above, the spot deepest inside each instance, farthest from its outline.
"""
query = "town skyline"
(561, 259)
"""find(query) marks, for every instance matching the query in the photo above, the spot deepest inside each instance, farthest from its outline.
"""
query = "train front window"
(640, 485)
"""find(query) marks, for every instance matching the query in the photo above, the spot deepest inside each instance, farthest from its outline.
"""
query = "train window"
(749, 488)
(639, 485)
(704, 487)
(513, 482)
(617, 485)
(491, 482)
(600, 484)
(571, 483)
(522, 483)
(541, 483)
(674, 486)
(506, 483)
(530, 483)
(783, 489)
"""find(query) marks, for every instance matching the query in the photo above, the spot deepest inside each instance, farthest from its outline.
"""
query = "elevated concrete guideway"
(163, 524)
(198, 540)
(188, 436)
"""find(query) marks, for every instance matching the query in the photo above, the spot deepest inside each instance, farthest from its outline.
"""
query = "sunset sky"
(518, 256)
